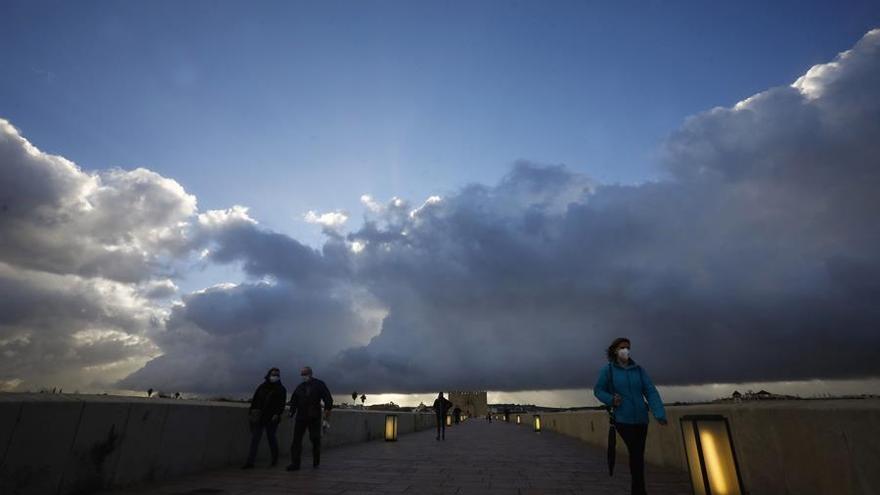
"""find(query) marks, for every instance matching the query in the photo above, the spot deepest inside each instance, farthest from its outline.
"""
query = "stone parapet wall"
(783, 447)
(74, 444)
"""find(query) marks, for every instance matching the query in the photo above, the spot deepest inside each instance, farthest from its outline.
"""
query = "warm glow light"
(713, 463)
(537, 423)
(448, 420)
(518, 419)
(391, 428)
(711, 456)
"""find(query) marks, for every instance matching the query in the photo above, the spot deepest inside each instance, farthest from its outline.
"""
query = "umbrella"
(612, 448)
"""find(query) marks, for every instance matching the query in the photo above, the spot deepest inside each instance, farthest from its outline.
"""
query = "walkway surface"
(476, 458)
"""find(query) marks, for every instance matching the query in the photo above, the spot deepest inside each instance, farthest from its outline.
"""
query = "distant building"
(737, 396)
(473, 404)
(391, 406)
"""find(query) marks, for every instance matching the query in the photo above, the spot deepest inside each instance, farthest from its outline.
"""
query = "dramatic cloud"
(78, 253)
(56, 218)
(754, 259)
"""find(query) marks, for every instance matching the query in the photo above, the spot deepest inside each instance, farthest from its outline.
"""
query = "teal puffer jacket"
(634, 385)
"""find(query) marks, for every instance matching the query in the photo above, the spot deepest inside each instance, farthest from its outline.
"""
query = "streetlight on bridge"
(710, 454)
(390, 427)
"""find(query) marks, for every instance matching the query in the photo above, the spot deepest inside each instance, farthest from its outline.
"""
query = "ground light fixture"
(448, 420)
(711, 457)
(537, 423)
(518, 419)
(390, 427)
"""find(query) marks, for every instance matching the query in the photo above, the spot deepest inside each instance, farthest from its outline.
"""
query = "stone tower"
(473, 404)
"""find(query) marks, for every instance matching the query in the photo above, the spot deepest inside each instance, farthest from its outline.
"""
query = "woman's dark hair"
(611, 353)
(270, 372)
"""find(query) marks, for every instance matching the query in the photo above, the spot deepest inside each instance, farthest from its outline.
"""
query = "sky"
(416, 197)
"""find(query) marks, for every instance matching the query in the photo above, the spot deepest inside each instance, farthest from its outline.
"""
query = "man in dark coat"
(267, 405)
(441, 407)
(305, 404)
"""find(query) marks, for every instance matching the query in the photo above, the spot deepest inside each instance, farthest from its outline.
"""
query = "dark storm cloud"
(756, 260)
(223, 339)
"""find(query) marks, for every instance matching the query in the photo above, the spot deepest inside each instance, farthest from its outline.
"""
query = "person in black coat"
(267, 405)
(305, 404)
(441, 407)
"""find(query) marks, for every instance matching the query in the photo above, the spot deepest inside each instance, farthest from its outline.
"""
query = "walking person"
(441, 407)
(624, 386)
(306, 404)
(267, 405)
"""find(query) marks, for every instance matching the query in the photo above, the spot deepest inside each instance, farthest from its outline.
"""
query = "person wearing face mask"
(267, 405)
(624, 386)
(305, 404)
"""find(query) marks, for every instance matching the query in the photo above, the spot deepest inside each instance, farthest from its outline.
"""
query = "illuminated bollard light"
(538, 423)
(518, 419)
(390, 427)
(448, 420)
(710, 455)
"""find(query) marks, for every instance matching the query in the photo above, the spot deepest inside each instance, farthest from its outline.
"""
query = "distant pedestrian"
(441, 408)
(150, 393)
(306, 404)
(489, 417)
(623, 385)
(265, 412)
(456, 415)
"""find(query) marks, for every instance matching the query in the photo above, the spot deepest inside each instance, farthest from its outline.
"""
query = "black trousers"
(441, 426)
(634, 436)
(257, 433)
(299, 430)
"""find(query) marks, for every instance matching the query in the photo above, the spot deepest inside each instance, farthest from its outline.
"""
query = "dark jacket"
(441, 406)
(305, 401)
(634, 386)
(269, 399)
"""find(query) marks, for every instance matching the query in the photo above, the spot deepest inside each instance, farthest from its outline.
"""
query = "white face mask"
(306, 378)
(623, 353)
(274, 378)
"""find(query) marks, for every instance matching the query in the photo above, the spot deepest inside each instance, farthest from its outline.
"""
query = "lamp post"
(390, 427)
(711, 457)
(538, 423)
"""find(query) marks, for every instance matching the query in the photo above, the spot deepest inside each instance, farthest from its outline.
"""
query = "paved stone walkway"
(476, 458)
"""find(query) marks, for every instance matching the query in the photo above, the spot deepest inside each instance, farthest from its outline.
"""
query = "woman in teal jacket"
(624, 385)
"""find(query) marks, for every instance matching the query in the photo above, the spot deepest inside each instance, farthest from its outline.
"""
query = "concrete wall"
(788, 447)
(69, 444)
